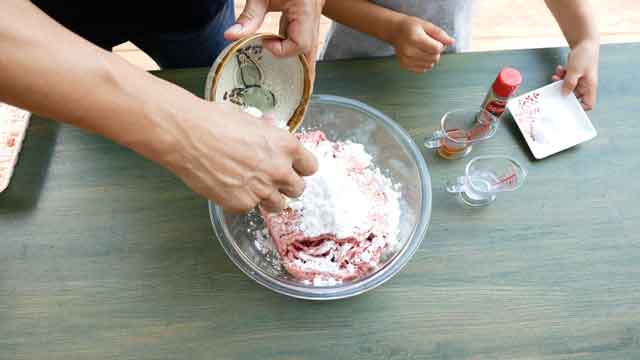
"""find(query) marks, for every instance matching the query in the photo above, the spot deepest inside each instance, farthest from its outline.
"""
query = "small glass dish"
(486, 176)
(459, 130)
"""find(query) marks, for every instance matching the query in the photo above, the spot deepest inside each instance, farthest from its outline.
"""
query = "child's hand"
(418, 43)
(581, 73)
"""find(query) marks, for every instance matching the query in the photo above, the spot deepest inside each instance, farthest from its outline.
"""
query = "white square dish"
(549, 121)
(13, 126)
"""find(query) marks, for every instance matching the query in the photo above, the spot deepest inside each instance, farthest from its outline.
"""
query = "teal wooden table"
(105, 255)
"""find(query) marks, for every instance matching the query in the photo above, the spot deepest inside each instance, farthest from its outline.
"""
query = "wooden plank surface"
(104, 255)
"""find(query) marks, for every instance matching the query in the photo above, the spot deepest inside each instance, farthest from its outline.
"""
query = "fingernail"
(235, 28)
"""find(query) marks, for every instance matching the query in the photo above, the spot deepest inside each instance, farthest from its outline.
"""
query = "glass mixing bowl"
(393, 152)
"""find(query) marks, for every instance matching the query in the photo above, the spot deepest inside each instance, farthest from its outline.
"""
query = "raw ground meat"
(325, 258)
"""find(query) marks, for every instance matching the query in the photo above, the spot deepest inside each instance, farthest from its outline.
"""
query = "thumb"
(249, 20)
(570, 82)
(438, 34)
(281, 48)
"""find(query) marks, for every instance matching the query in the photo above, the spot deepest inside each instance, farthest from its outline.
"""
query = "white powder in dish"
(325, 281)
(265, 246)
(347, 197)
(333, 202)
(254, 111)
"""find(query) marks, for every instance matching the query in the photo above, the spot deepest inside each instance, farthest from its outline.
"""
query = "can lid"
(507, 82)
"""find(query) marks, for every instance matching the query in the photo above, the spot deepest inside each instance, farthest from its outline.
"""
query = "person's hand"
(236, 160)
(249, 21)
(300, 23)
(418, 43)
(581, 73)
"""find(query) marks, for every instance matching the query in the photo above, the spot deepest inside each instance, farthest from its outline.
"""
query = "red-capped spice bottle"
(505, 85)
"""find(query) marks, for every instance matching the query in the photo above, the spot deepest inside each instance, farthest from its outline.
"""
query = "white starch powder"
(334, 202)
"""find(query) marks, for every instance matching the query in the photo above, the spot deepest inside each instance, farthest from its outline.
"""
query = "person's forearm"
(378, 22)
(575, 19)
(48, 70)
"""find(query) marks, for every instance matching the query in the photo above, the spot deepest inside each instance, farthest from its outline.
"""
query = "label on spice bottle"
(496, 107)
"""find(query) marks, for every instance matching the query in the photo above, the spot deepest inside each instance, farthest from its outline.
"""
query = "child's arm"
(418, 43)
(579, 28)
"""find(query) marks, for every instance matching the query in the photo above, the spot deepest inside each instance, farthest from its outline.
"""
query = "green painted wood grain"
(104, 255)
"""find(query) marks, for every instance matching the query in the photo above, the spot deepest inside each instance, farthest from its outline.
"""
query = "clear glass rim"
(521, 168)
(370, 282)
(477, 111)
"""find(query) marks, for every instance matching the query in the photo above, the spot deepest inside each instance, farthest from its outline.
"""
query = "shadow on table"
(32, 167)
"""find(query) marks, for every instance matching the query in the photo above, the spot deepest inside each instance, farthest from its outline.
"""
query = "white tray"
(13, 126)
(549, 121)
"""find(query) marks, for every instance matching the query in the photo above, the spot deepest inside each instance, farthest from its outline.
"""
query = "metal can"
(505, 85)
